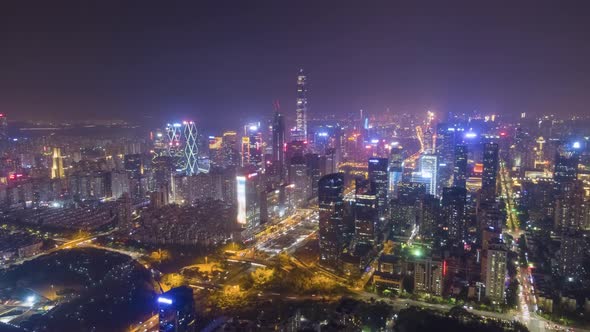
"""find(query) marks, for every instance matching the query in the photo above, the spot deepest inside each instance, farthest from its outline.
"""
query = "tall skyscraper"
(248, 196)
(57, 167)
(183, 147)
(252, 146)
(453, 211)
(278, 143)
(378, 176)
(396, 169)
(231, 154)
(366, 214)
(191, 148)
(300, 133)
(428, 174)
(490, 173)
(331, 210)
(460, 166)
(299, 178)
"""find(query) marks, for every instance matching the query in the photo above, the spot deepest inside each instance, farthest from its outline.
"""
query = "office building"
(490, 173)
(396, 169)
(366, 213)
(379, 177)
(460, 166)
(331, 213)
(278, 144)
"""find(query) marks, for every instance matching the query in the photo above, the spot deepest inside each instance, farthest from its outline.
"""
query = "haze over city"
(267, 166)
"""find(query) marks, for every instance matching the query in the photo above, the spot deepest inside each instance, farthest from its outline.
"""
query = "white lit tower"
(191, 148)
(182, 146)
(300, 133)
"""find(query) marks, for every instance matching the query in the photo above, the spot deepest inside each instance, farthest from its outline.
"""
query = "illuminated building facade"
(378, 175)
(252, 146)
(453, 210)
(460, 166)
(495, 272)
(216, 150)
(428, 175)
(182, 139)
(176, 310)
(490, 172)
(366, 216)
(248, 196)
(396, 169)
(57, 167)
(300, 133)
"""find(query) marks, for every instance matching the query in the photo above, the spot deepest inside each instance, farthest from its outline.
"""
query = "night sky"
(222, 63)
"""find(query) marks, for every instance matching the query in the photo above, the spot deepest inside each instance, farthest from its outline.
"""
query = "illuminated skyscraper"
(57, 167)
(331, 223)
(191, 148)
(278, 143)
(460, 166)
(300, 133)
(490, 173)
(453, 211)
(248, 196)
(252, 146)
(231, 154)
(396, 169)
(366, 214)
(378, 176)
(176, 310)
(428, 173)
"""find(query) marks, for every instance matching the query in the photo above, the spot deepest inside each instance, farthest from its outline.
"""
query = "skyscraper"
(490, 173)
(252, 146)
(378, 176)
(453, 211)
(278, 143)
(331, 210)
(366, 214)
(460, 166)
(300, 133)
(183, 147)
(191, 148)
(429, 173)
(57, 167)
(396, 169)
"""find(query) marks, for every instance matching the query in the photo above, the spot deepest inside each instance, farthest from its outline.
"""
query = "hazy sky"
(222, 62)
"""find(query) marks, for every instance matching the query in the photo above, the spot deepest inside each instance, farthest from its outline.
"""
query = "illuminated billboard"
(241, 193)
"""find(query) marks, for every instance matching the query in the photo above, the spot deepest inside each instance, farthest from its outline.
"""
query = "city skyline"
(406, 58)
(295, 167)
